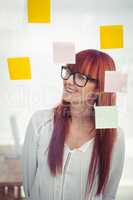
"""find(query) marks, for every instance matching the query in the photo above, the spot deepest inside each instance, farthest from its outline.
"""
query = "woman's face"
(79, 95)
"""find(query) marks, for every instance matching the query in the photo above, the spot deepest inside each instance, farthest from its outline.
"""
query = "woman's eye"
(67, 72)
(67, 69)
(81, 77)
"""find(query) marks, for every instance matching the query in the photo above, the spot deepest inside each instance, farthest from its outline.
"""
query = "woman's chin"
(67, 96)
(66, 99)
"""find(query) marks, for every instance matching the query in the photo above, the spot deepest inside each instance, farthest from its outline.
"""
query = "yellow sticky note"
(111, 37)
(19, 68)
(39, 11)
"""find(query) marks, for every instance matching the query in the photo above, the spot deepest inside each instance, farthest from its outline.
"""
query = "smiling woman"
(79, 80)
(64, 155)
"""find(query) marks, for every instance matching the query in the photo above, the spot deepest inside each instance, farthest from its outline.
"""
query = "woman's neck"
(82, 119)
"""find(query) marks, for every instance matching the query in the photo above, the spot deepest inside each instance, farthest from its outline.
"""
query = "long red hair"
(94, 63)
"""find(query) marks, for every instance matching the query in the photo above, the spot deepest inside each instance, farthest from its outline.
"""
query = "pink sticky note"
(64, 52)
(115, 81)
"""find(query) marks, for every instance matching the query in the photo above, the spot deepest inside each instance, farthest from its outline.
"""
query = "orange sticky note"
(111, 36)
(39, 11)
(19, 68)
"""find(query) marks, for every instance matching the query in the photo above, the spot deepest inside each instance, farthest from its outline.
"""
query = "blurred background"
(73, 21)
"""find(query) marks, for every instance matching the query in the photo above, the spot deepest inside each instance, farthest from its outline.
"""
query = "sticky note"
(63, 52)
(111, 37)
(106, 117)
(115, 81)
(39, 11)
(19, 68)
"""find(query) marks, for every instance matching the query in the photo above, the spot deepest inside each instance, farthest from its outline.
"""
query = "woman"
(64, 156)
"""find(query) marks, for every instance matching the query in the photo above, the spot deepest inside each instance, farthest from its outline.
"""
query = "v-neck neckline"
(82, 148)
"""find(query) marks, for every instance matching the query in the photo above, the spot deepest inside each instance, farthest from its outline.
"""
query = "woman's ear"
(96, 95)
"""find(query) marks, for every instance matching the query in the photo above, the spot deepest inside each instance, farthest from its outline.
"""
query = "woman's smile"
(69, 90)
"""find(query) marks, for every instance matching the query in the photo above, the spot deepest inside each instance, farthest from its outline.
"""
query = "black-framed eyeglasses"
(79, 79)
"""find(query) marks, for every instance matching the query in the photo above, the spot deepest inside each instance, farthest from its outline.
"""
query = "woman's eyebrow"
(68, 68)
(73, 70)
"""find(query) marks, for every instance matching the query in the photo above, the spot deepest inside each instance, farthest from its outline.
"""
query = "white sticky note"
(106, 117)
(115, 81)
(63, 53)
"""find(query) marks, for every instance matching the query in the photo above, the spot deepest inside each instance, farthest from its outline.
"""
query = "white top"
(71, 184)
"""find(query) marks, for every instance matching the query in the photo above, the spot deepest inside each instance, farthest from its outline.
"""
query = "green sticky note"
(106, 117)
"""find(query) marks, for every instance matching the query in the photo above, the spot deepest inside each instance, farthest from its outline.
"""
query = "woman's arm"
(29, 157)
(29, 161)
(116, 169)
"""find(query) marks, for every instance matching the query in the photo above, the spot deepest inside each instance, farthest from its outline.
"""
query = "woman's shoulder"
(41, 117)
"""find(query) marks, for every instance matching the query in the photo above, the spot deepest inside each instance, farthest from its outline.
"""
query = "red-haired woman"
(64, 156)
